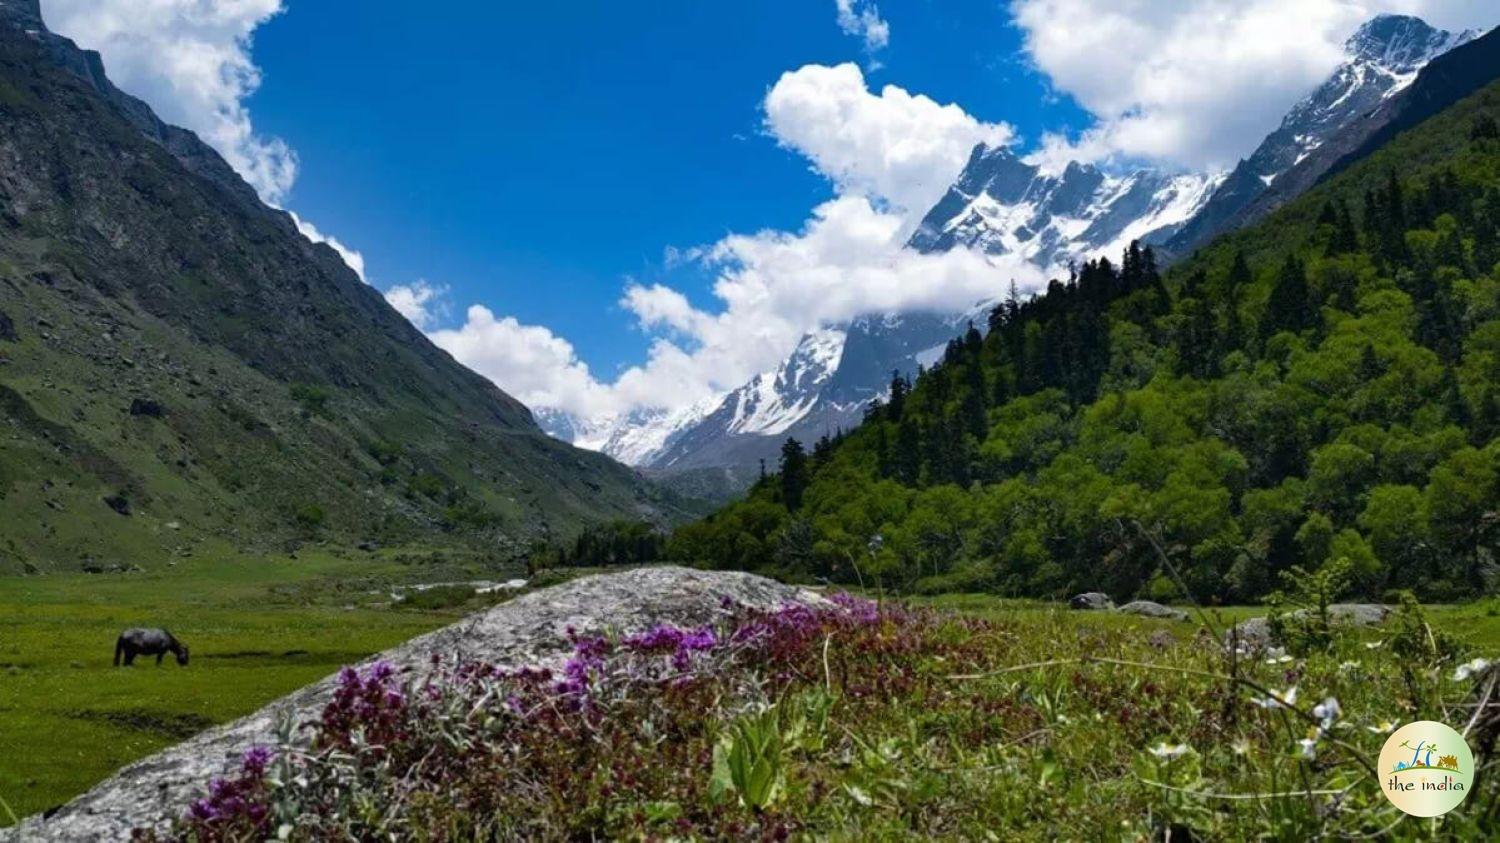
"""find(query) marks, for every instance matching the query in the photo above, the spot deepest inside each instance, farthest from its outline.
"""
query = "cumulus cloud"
(774, 286)
(420, 302)
(861, 19)
(1196, 83)
(894, 146)
(889, 156)
(190, 59)
(531, 363)
(352, 257)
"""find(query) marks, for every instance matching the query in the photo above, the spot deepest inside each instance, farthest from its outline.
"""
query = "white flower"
(1374, 645)
(1286, 698)
(1347, 666)
(1383, 727)
(1169, 752)
(1240, 746)
(1327, 711)
(1277, 655)
(1474, 667)
(1308, 748)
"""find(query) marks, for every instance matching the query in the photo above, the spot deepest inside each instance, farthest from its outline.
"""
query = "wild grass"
(875, 722)
(258, 628)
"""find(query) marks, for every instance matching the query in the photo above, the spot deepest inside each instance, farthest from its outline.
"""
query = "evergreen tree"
(793, 474)
(896, 404)
(1453, 399)
(1290, 306)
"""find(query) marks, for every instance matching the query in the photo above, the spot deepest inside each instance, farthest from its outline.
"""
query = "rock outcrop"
(530, 630)
(1255, 633)
(1151, 609)
(1096, 601)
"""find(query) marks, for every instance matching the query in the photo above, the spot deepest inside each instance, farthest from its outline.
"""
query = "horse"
(148, 642)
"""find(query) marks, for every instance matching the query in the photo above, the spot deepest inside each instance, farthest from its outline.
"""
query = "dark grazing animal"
(148, 642)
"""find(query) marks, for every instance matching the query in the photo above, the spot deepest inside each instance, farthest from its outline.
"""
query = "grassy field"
(996, 721)
(257, 629)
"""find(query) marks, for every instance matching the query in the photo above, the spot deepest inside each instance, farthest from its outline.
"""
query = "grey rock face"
(1001, 204)
(530, 630)
(1153, 610)
(1091, 601)
(1255, 633)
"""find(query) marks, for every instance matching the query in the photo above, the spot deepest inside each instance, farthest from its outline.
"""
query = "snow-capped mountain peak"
(773, 401)
(1401, 44)
(1002, 204)
(1383, 57)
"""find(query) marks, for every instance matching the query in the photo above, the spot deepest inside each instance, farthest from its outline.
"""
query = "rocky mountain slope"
(1385, 56)
(1447, 79)
(1003, 205)
(178, 364)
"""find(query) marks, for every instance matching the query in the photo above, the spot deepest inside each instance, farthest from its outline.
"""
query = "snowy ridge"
(773, 401)
(1383, 57)
(1003, 205)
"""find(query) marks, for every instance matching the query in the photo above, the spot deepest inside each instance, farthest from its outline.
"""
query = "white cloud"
(190, 60)
(527, 361)
(898, 147)
(420, 302)
(861, 19)
(1197, 83)
(353, 258)
(890, 156)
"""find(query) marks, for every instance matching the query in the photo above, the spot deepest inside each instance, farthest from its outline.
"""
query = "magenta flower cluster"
(379, 717)
(235, 806)
(372, 704)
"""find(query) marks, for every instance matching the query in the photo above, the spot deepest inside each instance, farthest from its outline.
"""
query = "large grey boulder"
(1091, 600)
(1151, 609)
(1255, 633)
(530, 630)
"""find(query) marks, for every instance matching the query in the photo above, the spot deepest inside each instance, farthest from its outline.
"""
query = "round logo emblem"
(1426, 769)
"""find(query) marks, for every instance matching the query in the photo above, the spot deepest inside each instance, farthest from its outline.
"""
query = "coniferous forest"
(1323, 386)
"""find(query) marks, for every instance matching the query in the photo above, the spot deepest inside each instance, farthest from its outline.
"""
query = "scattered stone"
(1255, 633)
(368, 546)
(530, 630)
(1151, 609)
(1251, 635)
(7, 329)
(1091, 601)
(1360, 614)
(119, 504)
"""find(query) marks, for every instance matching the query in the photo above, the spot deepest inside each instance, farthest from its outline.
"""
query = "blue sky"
(515, 175)
(532, 156)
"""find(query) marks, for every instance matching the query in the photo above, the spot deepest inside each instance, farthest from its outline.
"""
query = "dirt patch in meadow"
(170, 725)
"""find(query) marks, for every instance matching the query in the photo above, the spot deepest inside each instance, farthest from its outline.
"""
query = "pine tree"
(1345, 236)
(793, 474)
(1290, 305)
(1453, 399)
(896, 404)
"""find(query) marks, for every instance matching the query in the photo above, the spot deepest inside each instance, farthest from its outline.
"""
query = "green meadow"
(261, 627)
(257, 628)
